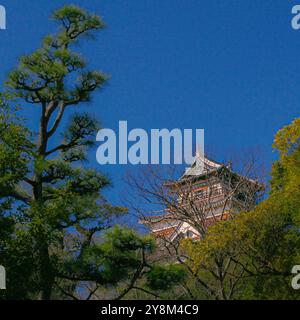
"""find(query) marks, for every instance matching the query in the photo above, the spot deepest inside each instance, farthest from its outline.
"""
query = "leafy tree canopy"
(262, 246)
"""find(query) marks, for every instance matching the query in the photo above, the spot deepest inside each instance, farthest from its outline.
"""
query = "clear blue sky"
(231, 67)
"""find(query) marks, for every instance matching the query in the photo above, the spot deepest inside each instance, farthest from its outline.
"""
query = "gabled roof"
(201, 166)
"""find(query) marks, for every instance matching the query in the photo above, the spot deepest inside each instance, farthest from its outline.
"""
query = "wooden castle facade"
(208, 192)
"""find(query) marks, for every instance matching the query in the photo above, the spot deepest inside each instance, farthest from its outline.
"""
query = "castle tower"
(208, 192)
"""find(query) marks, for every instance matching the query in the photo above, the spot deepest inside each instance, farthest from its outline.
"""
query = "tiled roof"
(202, 165)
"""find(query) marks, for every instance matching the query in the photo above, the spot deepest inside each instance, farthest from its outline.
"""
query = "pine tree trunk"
(46, 273)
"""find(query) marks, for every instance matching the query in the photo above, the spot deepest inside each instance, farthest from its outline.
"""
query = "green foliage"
(113, 260)
(164, 277)
(54, 220)
(45, 193)
(55, 223)
(258, 249)
(75, 21)
(14, 147)
(45, 75)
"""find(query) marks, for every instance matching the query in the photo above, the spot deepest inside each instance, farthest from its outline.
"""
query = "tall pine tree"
(54, 220)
